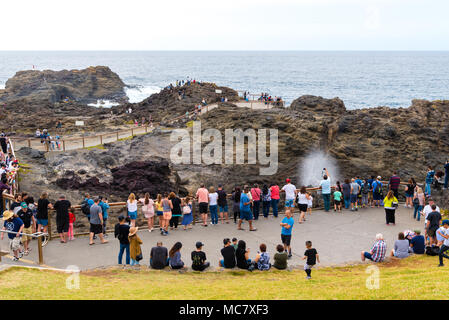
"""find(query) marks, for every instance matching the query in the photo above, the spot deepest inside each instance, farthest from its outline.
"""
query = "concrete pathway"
(338, 237)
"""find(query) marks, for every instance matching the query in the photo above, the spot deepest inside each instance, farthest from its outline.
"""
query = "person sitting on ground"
(401, 247)
(377, 252)
(263, 258)
(242, 256)
(280, 258)
(418, 243)
(234, 243)
(228, 254)
(199, 258)
(159, 256)
(175, 256)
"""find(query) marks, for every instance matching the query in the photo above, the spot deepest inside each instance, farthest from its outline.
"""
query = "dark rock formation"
(85, 86)
(318, 105)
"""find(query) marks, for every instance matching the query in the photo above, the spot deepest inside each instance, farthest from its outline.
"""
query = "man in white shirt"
(428, 209)
(290, 195)
(325, 186)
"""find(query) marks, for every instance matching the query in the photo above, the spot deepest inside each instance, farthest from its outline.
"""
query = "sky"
(225, 25)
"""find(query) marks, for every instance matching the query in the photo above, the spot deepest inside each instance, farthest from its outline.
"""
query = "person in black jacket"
(121, 232)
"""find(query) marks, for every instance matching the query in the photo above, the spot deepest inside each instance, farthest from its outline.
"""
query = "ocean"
(361, 79)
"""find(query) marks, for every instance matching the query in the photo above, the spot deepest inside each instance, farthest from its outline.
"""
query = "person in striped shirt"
(394, 183)
(377, 253)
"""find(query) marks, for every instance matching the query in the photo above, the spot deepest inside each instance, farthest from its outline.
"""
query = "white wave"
(138, 93)
(2, 86)
(104, 104)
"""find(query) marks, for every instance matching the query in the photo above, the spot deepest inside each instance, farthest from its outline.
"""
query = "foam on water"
(138, 93)
(310, 171)
(104, 104)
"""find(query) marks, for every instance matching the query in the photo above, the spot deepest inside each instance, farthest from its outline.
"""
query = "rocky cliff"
(84, 86)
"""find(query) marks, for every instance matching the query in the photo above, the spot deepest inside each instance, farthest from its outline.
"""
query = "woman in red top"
(72, 220)
(274, 199)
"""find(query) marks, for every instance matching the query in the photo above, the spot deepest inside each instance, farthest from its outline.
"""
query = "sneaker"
(289, 256)
(308, 277)
(15, 259)
(26, 252)
(441, 265)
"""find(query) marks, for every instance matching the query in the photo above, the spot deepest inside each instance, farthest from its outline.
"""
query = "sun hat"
(7, 215)
(133, 230)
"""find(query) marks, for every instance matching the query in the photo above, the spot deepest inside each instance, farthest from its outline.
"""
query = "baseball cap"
(199, 244)
(226, 240)
(445, 221)
(288, 180)
(23, 205)
(379, 177)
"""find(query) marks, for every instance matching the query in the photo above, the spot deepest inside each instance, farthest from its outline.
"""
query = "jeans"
(427, 189)
(442, 254)
(327, 201)
(213, 213)
(446, 179)
(417, 212)
(256, 209)
(123, 247)
(347, 200)
(266, 208)
(274, 205)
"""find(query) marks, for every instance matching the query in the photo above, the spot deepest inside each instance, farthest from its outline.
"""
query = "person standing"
(13, 223)
(245, 210)
(213, 206)
(62, 207)
(134, 246)
(409, 193)
(3, 186)
(131, 204)
(198, 257)
(303, 203)
(419, 200)
(176, 212)
(390, 205)
(377, 192)
(312, 258)
(222, 204)
(445, 246)
(96, 222)
(429, 180)
(27, 218)
(433, 223)
(187, 217)
(325, 186)
(394, 183)
(104, 209)
(355, 188)
(42, 212)
(203, 199)
(286, 232)
(275, 197)
(290, 195)
(266, 200)
(148, 210)
(167, 207)
(337, 200)
(236, 203)
(256, 193)
(446, 174)
(346, 189)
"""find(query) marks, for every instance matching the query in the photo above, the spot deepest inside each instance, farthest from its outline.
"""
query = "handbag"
(395, 204)
(139, 257)
(416, 201)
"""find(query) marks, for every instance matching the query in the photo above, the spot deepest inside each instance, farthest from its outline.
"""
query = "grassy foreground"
(412, 278)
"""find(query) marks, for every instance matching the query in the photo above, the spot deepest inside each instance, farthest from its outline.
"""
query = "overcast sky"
(224, 25)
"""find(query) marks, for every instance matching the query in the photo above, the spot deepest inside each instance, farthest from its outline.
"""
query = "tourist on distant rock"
(325, 186)
(13, 223)
(346, 187)
(409, 193)
(394, 183)
(390, 205)
(337, 200)
(159, 256)
(198, 257)
(104, 208)
(401, 247)
(167, 207)
(445, 245)
(131, 204)
(290, 195)
(429, 180)
(202, 196)
(213, 206)
(187, 216)
(121, 232)
(262, 260)
(377, 252)
(446, 175)
(280, 258)
(275, 197)
(176, 211)
(222, 204)
(242, 256)
(377, 192)
(433, 223)
(236, 203)
(355, 188)
(312, 257)
(228, 253)
(148, 210)
(256, 196)
(418, 243)
(245, 210)
(266, 201)
(96, 222)
(62, 207)
(419, 200)
(72, 219)
(135, 251)
(286, 232)
(303, 203)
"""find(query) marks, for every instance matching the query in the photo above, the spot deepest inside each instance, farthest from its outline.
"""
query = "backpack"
(378, 188)
(365, 188)
(85, 208)
(117, 233)
(432, 251)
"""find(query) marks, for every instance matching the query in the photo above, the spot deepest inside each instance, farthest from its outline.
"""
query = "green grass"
(412, 278)
(98, 146)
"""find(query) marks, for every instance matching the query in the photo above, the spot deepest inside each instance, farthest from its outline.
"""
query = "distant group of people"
(53, 143)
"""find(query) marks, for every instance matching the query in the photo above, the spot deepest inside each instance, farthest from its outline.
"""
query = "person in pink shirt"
(255, 194)
(202, 195)
(274, 189)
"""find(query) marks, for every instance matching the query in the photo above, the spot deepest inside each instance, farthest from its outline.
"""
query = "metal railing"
(36, 235)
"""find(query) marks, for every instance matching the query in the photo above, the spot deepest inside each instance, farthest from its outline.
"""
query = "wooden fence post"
(84, 143)
(29, 143)
(117, 135)
(49, 226)
(132, 131)
(63, 145)
(101, 139)
(39, 250)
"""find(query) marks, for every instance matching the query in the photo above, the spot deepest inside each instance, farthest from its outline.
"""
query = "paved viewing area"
(338, 238)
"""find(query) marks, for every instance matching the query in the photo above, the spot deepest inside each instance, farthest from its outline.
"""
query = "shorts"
(337, 202)
(224, 208)
(246, 215)
(159, 213)
(43, 222)
(289, 203)
(409, 195)
(26, 231)
(62, 226)
(377, 196)
(308, 266)
(286, 239)
(353, 198)
(132, 215)
(302, 207)
(96, 228)
(167, 215)
(14, 244)
(431, 232)
(203, 207)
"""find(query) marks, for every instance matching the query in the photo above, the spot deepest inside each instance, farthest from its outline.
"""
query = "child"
(312, 258)
(134, 246)
(234, 243)
(337, 200)
(310, 203)
(187, 216)
(72, 220)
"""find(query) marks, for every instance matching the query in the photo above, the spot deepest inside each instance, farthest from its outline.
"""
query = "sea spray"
(310, 171)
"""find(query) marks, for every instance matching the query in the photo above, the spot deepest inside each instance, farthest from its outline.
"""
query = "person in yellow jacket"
(134, 246)
(390, 205)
